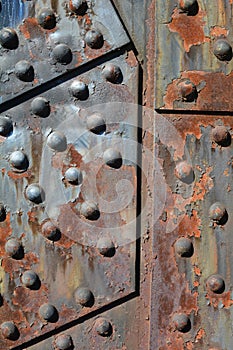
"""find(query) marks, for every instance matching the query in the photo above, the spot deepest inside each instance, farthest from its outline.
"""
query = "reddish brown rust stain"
(30, 28)
(211, 97)
(203, 187)
(224, 298)
(14, 175)
(219, 31)
(190, 28)
(131, 59)
(201, 333)
(92, 54)
(5, 232)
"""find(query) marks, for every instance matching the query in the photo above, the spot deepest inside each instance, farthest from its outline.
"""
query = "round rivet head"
(29, 279)
(24, 71)
(74, 176)
(112, 158)
(106, 247)
(50, 231)
(84, 297)
(40, 107)
(184, 172)
(216, 284)
(63, 342)
(78, 6)
(218, 213)
(9, 38)
(48, 312)
(187, 90)
(35, 193)
(14, 249)
(96, 123)
(112, 73)
(9, 330)
(90, 210)
(19, 161)
(94, 39)
(221, 136)
(6, 126)
(62, 54)
(189, 6)
(79, 90)
(46, 18)
(2, 213)
(181, 322)
(223, 50)
(103, 327)
(184, 247)
(57, 141)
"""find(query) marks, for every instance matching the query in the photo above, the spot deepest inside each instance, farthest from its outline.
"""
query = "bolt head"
(106, 247)
(215, 284)
(9, 38)
(223, 50)
(6, 126)
(19, 161)
(221, 135)
(40, 107)
(14, 248)
(94, 39)
(57, 141)
(103, 327)
(218, 213)
(46, 18)
(35, 193)
(90, 210)
(184, 172)
(96, 123)
(9, 330)
(29, 278)
(112, 158)
(181, 322)
(184, 247)
(187, 90)
(84, 297)
(62, 54)
(48, 312)
(74, 176)
(78, 6)
(79, 90)
(50, 231)
(24, 71)
(63, 342)
(112, 73)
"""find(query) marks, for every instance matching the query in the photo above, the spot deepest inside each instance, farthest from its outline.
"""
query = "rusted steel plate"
(192, 274)
(68, 189)
(194, 55)
(53, 38)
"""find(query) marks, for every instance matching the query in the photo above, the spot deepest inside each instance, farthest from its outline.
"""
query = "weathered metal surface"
(194, 46)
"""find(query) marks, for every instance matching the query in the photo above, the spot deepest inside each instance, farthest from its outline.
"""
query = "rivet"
(50, 231)
(112, 73)
(9, 330)
(62, 54)
(30, 279)
(84, 297)
(78, 6)
(189, 6)
(74, 176)
(218, 213)
(90, 210)
(35, 193)
(94, 39)
(96, 123)
(187, 90)
(24, 71)
(106, 247)
(6, 126)
(48, 312)
(19, 161)
(14, 249)
(113, 158)
(221, 136)
(40, 106)
(184, 172)
(223, 50)
(57, 141)
(46, 18)
(63, 342)
(184, 247)
(181, 322)
(103, 327)
(79, 90)
(2, 213)
(9, 38)
(216, 284)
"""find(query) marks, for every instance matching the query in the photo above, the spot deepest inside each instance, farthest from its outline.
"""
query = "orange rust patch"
(196, 284)
(201, 333)
(5, 232)
(218, 31)
(226, 172)
(30, 28)
(190, 28)
(197, 271)
(189, 345)
(224, 298)
(15, 175)
(131, 59)
(203, 186)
